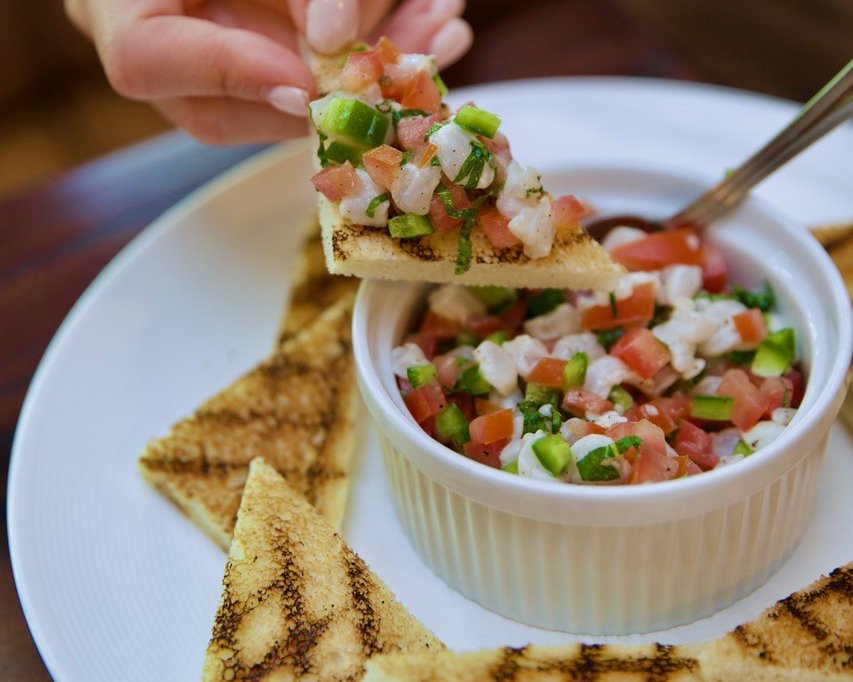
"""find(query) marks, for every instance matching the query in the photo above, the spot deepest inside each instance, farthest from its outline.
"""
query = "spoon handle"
(827, 109)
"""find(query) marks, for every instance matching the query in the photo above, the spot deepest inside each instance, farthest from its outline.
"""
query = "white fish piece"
(456, 303)
(414, 62)
(584, 342)
(405, 356)
(508, 401)
(413, 187)
(682, 333)
(353, 206)
(519, 189)
(725, 337)
(526, 351)
(497, 367)
(603, 373)
(630, 281)
(454, 147)
(679, 281)
(563, 320)
(607, 419)
(762, 434)
(534, 227)
(510, 451)
(621, 235)
(707, 386)
(783, 415)
(724, 442)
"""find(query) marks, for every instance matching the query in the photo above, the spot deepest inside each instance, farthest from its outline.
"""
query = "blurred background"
(57, 110)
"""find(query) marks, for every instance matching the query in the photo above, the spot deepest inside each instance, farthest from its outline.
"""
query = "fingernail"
(331, 24)
(451, 41)
(293, 101)
(446, 9)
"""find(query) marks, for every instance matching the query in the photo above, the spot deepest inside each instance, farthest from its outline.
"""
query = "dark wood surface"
(56, 237)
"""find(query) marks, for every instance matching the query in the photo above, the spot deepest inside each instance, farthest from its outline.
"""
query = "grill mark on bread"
(507, 668)
(752, 642)
(361, 589)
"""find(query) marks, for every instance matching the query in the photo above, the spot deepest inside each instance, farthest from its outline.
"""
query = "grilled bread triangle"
(576, 260)
(297, 602)
(807, 636)
(296, 409)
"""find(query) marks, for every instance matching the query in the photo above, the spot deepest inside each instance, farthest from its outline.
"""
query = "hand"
(229, 71)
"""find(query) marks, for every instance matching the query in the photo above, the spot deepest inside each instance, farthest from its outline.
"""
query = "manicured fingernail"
(293, 101)
(451, 41)
(446, 9)
(331, 24)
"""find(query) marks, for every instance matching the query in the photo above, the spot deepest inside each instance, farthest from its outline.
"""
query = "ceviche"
(394, 156)
(673, 373)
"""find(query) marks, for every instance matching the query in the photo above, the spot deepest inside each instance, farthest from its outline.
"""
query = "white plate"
(115, 583)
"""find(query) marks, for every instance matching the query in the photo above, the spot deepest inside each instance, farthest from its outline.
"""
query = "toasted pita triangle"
(296, 409)
(297, 602)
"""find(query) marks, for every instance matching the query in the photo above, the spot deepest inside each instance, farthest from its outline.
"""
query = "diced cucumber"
(353, 121)
(472, 381)
(451, 423)
(619, 396)
(540, 394)
(340, 152)
(554, 453)
(410, 225)
(711, 407)
(775, 353)
(420, 375)
(574, 373)
(511, 467)
(591, 467)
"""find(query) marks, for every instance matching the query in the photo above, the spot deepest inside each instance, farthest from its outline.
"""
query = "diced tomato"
(651, 435)
(637, 309)
(447, 369)
(425, 402)
(641, 351)
(496, 227)
(387, 50)
(548, 371)
(412, 130)
(439, 326)
(574, 429)
(513, 317)
(426, 342)
(578, 402)
(498, 146)
(483, 406)
(422, 93)
(484, 325)
(428, 425)
(715, 272)
(750, 325)
(660, 249)
(653, 413)
(465, 403)
(652, 465)
(779, 392)
(335, 182)
(797, 388)
(438, 216)
(382, 164)
(696, 444)
(394, 81)
(620, 430)
(490, 454)
(749, 402)
(567, 211)
(488, 428)
(361, 70)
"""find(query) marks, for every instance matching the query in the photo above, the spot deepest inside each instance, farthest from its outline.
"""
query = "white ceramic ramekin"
(615, 560)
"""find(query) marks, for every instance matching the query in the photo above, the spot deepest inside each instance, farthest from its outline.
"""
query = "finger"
(298, 10)
(331, 24)
(372, 12)
(222, 120)
(450, 42)
(412, 26)
(164, 57)
(76, 11)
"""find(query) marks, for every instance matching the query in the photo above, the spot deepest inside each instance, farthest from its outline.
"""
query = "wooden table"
(57, 236)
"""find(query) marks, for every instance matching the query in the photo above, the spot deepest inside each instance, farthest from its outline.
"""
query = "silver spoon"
(830, 107)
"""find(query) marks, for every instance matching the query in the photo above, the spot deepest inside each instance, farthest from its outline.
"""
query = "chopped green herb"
(626, 443)
(613, 309)
(660, 316)
(544, 302)
(442, 88)
(608, 337)
(398, 114)
(435, 161)
(536, 190)
(374, 204)
(472, 167)
(443, 193)
(764, 299)
(464, 249)
(535, 421)
(431, 130)
(405, 158)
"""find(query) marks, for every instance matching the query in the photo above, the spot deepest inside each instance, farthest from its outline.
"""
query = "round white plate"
(116, 583)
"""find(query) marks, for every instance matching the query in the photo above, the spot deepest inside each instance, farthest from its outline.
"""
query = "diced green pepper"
(419, 375)
(495, 297)
(409, 226)
(574, 373)
(340, 152)
(451, 423)
(472, 381)
(554, 453)
(591, 467)
(511, 467)
(619, 396)
(742, 448)
(467, 339)
(498, 337)
(540, 394)
(353, 121)
(711, 407)
(477, 121)
(774, 353)
(544, 302)
(534, 420)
